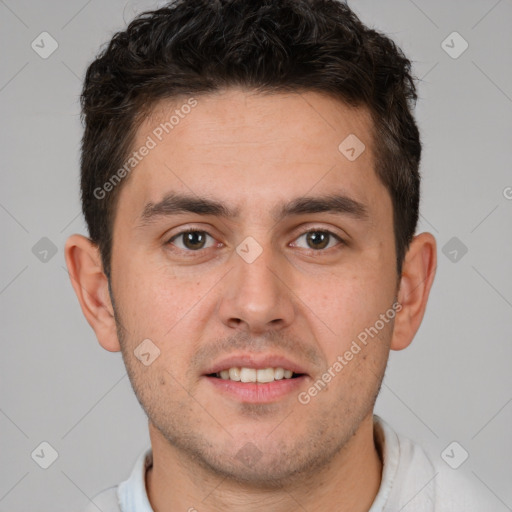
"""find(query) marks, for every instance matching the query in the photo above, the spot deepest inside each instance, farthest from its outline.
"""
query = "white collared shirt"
(411, 482)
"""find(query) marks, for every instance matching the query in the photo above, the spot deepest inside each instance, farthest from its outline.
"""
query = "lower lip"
(252, 392)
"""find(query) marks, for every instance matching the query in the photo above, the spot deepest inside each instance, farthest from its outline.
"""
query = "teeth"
(248, 375)
(252, 375)
(278, 373)
(266, 375)
(233, 374)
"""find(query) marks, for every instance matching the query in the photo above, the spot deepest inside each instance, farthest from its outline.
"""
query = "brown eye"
(317, 240)
(192, 240)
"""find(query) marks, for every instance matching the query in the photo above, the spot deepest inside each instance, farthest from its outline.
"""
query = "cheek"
(159, 304)
(343, 305)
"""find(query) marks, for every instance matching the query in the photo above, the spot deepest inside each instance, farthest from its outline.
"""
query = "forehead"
(236, 143)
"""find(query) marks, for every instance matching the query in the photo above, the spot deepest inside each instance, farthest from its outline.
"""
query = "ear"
(418, 273)
(91, 287)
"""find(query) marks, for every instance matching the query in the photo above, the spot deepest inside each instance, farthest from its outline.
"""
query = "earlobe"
(91, 287)
(418, 273)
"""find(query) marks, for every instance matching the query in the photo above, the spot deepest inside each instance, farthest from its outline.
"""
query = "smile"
(261, 375)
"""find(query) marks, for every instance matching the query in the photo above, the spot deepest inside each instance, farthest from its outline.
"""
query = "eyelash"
(305, 233)
(186, 232)
(325, 231)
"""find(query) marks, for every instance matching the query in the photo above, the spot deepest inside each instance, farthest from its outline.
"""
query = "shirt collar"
(132, 493)
(388, 448)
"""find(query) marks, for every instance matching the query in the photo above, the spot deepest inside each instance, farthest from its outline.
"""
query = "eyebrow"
(333, 203)
(175, 204)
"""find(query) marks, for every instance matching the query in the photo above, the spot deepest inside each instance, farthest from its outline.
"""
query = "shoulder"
(106, 501)
(417, 480)
(456, 491)
(130, 494)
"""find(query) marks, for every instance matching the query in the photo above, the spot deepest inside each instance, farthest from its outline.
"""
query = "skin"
(254, 153)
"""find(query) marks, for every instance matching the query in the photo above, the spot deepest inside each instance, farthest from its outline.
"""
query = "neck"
(349, 482)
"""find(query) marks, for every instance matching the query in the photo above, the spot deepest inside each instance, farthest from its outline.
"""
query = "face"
(246, 239)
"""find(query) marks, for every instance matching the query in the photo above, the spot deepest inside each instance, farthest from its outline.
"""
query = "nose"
(255, 296)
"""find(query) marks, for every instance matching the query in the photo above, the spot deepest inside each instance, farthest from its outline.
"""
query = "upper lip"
(256, 361)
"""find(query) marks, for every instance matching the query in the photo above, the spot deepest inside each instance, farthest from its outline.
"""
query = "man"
(250, 184)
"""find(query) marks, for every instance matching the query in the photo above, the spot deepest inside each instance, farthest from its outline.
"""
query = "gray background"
(58, 385)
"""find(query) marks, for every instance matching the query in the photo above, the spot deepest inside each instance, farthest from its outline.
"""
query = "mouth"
(258, 375)
(253, 379)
